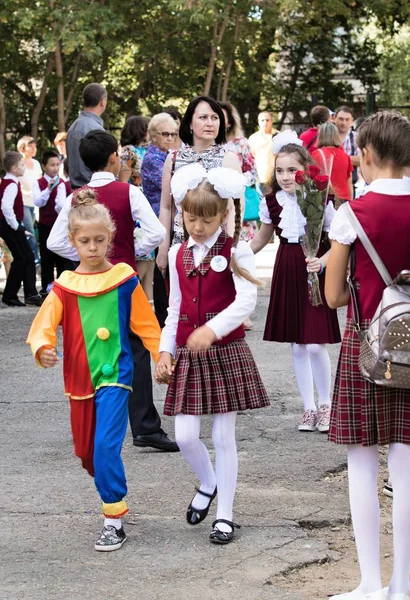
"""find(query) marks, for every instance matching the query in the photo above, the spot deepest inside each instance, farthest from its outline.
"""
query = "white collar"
(11, 176)
(208, 243)
(101, 175)
(390, 187)
(48, 178)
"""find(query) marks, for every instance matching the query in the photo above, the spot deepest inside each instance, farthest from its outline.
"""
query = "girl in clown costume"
(96, 305)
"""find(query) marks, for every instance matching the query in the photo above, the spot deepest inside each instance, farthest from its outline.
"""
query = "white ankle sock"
(114, 522)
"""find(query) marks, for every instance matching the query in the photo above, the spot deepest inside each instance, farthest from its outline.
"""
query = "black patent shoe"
(223, 537)
(196, 515)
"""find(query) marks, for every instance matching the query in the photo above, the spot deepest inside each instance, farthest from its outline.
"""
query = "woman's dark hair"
(185, 132)
(134, 131)
(303, 156)
(234, 125)
(96, 148)
(174, 112)
(388, 133)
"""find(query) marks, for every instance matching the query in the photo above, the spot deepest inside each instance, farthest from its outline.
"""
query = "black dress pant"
(50, 260)
(23, 269)
(160, 297)
(144, 418)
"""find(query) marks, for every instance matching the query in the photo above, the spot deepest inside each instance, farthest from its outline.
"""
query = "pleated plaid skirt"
(219, 380)
(364, 413)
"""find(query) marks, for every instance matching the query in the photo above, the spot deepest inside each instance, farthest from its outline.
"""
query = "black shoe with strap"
(196, 515)
(223, 537)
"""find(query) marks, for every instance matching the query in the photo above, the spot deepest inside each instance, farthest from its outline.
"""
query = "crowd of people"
(157, 224)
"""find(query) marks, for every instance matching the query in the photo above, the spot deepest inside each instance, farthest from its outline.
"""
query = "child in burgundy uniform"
(13, 232)
(291, 317)
(212, 290)
(363, 414)
(49, 194)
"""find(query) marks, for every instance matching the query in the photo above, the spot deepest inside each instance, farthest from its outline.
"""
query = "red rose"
(321, 182)
(313, 171)
(300, 177)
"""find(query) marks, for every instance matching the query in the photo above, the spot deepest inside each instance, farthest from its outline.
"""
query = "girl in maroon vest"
(212, 290)
(291, 316)
(363, 414)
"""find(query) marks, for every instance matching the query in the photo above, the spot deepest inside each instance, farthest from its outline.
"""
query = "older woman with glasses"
(162, 133)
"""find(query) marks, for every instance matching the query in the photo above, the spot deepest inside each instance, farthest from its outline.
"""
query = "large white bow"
(227, 182)
(283, 139)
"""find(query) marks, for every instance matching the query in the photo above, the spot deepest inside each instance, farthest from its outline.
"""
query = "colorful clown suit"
(96, 311)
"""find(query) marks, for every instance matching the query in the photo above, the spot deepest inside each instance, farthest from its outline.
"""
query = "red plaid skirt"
(219, 380)
(364, 413)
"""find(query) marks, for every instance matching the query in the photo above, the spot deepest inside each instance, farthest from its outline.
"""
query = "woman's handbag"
(252, 201)
(384, 357)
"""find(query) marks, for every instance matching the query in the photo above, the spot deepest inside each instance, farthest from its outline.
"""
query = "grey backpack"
(385, 346)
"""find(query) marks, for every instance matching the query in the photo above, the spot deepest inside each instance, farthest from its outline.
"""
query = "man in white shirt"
(261, 148)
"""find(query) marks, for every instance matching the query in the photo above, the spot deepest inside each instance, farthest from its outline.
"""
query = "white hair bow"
(228, 183)
(283, 139)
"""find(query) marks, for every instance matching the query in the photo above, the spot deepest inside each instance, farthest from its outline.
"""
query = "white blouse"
(341, 229)
(28, 180)
(228, 319)
(292, 222)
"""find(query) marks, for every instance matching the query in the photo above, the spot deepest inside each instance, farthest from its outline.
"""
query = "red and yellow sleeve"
(43, 331)
(144, 323)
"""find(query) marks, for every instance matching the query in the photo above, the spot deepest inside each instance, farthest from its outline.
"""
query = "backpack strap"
(368, 246)
(312, 141)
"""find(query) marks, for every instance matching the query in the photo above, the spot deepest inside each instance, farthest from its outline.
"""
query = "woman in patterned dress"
(203, 133)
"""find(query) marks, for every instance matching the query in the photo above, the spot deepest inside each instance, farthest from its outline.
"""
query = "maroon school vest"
(116, 197)
(386, 220)
(18, 202)
(68, 189)
(48, 213)
(205, 293)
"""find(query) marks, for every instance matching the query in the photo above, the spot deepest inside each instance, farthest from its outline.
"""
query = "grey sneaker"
(323, 418)
(309, 420)
(110, 539)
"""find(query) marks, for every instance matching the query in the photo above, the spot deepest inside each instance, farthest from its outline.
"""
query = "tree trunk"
(293, 82)
(216, 41)
(73, 86)
(60, 87)
(35, 117)
(229, 64)
(220, 83)
(2, 125)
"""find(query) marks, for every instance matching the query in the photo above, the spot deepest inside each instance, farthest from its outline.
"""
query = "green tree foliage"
(277, 54)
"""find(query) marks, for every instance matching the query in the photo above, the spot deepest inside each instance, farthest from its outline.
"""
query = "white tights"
(312, 363)
(364, 507)
(187, 431)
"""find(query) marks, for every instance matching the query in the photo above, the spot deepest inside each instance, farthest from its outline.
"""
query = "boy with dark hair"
(127, 204)
(49, 194)
(13, 232)
(318, 115)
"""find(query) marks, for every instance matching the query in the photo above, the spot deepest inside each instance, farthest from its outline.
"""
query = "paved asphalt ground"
(50, 512)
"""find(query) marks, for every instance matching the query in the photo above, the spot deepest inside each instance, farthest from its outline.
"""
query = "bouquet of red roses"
(311, 193)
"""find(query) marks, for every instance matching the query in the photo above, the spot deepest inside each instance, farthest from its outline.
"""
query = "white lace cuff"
(341, 230)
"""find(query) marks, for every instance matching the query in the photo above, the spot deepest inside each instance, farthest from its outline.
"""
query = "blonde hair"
(204, 201)
(24, 142)
(157, 120)
(86, 207)
(328, 136)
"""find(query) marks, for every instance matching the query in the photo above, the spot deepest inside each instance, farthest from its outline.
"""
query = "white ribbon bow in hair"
(283, 139)
(228, 183)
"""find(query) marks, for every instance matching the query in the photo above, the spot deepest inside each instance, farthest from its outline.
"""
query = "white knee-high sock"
(399, 468)
(364, 507)
(187, 430)
(223, 436)
(321, 369)
(303, 374)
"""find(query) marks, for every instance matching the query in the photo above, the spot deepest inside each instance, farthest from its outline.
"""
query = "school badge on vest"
(219, 264)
